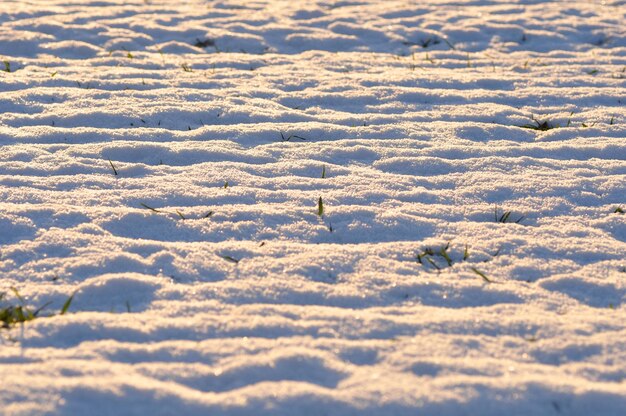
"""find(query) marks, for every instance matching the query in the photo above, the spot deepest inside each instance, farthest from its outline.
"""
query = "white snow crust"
(205, 280)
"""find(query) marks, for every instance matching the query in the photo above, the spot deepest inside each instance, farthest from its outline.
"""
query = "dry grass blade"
(113, 167)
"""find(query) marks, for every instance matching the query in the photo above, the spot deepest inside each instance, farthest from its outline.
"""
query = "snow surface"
(412, 111)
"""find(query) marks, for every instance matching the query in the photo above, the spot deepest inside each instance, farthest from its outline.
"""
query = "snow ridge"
(325, 207)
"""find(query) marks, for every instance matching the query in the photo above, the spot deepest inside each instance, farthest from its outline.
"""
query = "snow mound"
(306, 208)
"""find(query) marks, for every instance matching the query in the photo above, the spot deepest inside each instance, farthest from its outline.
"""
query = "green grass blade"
(230, 259)
(481, 274)
(67, 304)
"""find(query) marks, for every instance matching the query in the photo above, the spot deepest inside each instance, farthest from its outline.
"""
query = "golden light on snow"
(287, 208)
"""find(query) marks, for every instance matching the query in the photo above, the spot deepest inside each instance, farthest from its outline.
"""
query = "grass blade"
(320, 207)
(67, 304)
(481, 274)
(113, 167)
(149, 207)
(432, 263)
(230, 259)
(42, 307)
(17, 295)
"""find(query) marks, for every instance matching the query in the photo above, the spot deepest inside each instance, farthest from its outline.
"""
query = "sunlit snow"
(313, 207)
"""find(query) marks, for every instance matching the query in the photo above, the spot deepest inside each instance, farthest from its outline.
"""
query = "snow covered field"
(314, 207)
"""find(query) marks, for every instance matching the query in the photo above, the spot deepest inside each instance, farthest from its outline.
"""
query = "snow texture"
(165, 160)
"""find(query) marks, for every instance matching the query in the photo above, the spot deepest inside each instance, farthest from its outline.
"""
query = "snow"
(164, 160)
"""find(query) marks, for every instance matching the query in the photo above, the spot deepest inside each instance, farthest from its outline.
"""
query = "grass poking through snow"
(149, 207)
(540, 125)
(320, 207)
(430, 256)
(230, 259)
(505, 217)
(481, 274)
(291, 136)
(113, 167)
(18, 314)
